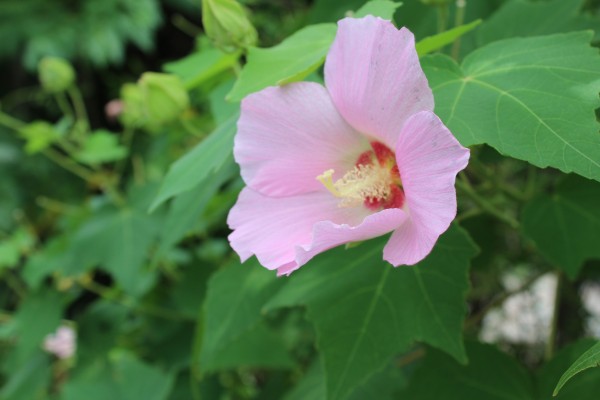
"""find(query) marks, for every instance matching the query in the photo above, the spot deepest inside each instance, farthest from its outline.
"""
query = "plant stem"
(64, 105)
(79, 106)
(442, 17)
(551, 343)
(463, 184)
(458, 20)
(69, 165)
(10, 122)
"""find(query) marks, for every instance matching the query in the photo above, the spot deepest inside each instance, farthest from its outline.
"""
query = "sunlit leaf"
(532, 99)
(291, 60)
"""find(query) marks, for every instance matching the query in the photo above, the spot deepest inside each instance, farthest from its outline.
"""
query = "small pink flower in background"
(61, 343)
(355, 160)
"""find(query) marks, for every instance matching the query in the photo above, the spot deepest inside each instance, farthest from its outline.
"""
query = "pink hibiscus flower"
(356, 159)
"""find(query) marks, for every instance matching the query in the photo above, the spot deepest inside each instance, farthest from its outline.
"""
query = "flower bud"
(56, 74)
(226, 23)
(164, 96)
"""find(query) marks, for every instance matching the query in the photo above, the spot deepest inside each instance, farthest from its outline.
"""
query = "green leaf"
(185, 210)
(232, 309)
(526, 18)
(125, 377)
(201, 66)
(39, 314)
(589, 359)
(118, 240)
(581, 387)
(436, 42)
(257, 347)
(30, 380)
(291, 60)
(565, 225)
(39, 136)
(101, 147)
(531, 99)
(12, 248)
(366, 311)
(193, 168)
(380, 8)
(381, 386)
(490, 375)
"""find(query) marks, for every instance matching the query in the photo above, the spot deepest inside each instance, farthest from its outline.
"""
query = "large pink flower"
(360, 158)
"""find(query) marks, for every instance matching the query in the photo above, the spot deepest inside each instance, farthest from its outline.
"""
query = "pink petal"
(374, 77)
(289, 135)
(429, 158)
(272, 227)
(327, 235)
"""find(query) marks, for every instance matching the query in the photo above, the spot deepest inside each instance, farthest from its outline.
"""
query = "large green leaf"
(365, 311)
(124, 377)
(193, 168)
(532, 99)
(291, 60)
(490, 375)
(232, 310)
(381, 386)
(589, 359)
(118, 240)
(565, 226)
(534, 18)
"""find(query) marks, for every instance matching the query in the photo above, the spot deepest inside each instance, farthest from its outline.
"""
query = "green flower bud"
(133, 114)
(226, 23)
(56, 74)
(165, 97)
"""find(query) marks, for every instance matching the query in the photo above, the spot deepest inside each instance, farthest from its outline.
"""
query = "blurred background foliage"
(99, 100)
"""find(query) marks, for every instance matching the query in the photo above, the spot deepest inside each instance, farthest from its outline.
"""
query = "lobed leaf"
(531, 99)
(365, 311)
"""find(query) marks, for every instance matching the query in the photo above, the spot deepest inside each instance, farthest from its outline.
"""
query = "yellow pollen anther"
(359, 184)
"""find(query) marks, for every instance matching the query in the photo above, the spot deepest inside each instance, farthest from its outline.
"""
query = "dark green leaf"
(234, 299)
(534, 18)
(565, 226)
(490, 375)
(365, 311)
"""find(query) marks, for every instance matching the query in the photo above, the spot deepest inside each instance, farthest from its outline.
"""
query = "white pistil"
(359, 184)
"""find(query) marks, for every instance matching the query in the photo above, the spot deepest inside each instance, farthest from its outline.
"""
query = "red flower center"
(382, 157)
